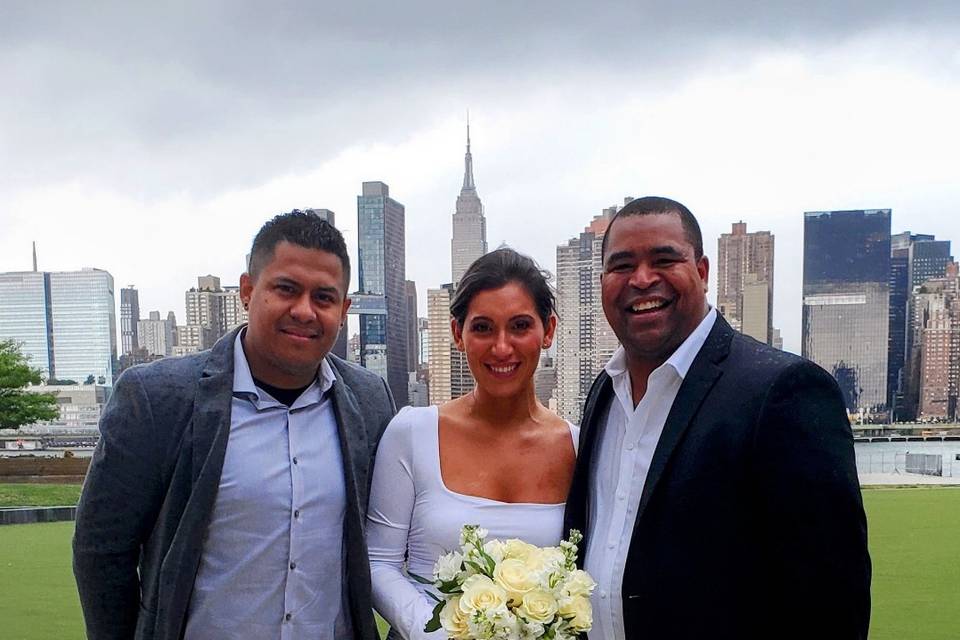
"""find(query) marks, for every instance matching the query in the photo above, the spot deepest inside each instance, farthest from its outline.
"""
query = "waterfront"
(891, 457)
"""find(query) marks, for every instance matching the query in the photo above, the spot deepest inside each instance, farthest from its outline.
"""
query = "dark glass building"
(846, 303)
(381, 303)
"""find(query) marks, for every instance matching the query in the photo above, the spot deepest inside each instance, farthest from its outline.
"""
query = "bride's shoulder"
(411, 419)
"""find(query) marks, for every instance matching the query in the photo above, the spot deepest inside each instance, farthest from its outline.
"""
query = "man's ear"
(703, 270)
(343, 311)
(246, 289)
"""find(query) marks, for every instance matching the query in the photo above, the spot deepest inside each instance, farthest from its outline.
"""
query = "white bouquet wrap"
(510, 590)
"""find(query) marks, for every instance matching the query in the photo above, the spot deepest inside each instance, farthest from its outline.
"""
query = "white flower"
(579, 612)
(579, 583)
(494, 549)
(538, 606)
(453, 620)
(448, 566)
(480, 593)
(514, 576)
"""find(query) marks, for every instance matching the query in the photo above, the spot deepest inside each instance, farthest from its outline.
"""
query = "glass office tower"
(846, 302)
(382, 305)
(25, 316)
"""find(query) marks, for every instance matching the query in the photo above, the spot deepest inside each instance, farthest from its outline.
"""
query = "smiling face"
(297, 303)
(653, 286)
(502, 336)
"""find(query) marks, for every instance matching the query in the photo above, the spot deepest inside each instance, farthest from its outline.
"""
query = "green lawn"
(914, 541)
(39, 495)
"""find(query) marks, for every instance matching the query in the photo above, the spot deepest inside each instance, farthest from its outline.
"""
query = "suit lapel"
(703, 374)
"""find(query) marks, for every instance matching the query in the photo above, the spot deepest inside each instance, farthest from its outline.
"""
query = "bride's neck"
(500, 411)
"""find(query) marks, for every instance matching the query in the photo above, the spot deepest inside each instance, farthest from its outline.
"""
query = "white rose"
(519, 549)
(448, 566)
(453, 620)
(513, 575)
(552, 558)
(480, 593)
(579, 583)
(579, 612)
(538, 606)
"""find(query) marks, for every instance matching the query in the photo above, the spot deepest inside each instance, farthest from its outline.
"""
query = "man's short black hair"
(304, 229)
(656, 205)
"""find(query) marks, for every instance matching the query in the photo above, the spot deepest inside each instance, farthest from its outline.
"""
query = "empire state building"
(469, 226)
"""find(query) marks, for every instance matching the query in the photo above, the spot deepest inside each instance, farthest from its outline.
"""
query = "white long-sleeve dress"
(413, 517)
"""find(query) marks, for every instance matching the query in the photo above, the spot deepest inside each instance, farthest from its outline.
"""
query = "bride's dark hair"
(498, 268)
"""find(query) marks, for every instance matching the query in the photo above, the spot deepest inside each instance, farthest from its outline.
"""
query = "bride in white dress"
(495, 457)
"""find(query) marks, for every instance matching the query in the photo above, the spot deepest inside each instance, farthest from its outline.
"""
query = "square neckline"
(484, 499)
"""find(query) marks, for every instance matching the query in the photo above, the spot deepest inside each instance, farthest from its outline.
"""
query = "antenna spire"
(34, 255)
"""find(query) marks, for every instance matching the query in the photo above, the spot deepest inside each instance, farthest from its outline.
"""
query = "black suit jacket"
(750, 523)
(153, 481)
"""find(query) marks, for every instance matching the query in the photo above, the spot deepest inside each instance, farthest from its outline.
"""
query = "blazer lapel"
(701, 377)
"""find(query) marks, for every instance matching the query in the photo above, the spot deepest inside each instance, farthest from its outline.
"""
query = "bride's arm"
(392, 497)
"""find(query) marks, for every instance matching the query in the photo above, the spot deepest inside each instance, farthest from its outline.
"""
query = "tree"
(17, 405)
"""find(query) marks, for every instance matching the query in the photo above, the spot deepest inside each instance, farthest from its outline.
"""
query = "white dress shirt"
(272, 561)
(619, 471)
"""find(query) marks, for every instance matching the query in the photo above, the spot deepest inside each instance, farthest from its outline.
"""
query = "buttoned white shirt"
(619, 471)
(272, 561)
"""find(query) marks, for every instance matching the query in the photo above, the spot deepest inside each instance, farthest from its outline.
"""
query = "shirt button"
(287, 616)
(293, 565)
(621, 496)
(630, 447)
(611, 545)
(603, 596)
(296, 514)
(295, 461)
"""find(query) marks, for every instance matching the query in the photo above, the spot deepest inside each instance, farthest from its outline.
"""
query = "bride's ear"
(457, 332)
(549, 331)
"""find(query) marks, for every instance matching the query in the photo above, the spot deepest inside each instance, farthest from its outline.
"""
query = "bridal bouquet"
(511, 590)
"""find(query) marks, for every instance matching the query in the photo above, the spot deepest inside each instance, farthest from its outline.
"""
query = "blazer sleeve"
(817, 567)
(118, 506)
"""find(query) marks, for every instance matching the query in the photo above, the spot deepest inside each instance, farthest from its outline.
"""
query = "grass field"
(914, 542)
(39, 495)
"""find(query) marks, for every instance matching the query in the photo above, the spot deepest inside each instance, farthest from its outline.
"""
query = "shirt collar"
(680, 360)
(243, 379)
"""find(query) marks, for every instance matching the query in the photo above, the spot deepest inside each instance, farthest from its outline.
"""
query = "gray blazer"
(153, 481)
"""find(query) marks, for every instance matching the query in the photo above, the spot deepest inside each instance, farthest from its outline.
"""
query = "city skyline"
(120, 155)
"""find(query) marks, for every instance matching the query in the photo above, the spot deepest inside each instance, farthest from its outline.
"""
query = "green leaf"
(434, 623)
(419, 579)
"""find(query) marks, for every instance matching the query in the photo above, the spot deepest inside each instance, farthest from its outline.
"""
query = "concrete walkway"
(887, 479)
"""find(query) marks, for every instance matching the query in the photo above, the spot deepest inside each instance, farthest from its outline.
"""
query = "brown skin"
(297, 303)
(649, 260)
(499, 442)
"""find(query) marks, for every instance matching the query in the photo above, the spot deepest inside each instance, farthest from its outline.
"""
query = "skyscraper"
(469, 240)
(846, 301)
(66, 322)
(450, 375)
(381, 301)
(129, 317)
(914, 259)
(745, 281)
(412, 338)
(584, 338)
(937, 306)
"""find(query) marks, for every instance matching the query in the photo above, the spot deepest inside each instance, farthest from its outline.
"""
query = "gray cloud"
(202, 96)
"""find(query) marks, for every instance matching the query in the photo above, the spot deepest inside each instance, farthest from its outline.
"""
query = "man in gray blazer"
(227, 493)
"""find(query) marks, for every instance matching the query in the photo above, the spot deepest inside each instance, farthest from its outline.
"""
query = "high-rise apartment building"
(66, 322)
(585, 341)
(129, 317)
(381, 300)
(937, 335)
(846, 302)
(156, 334)
(469, 240)
(441, 347)
(914, 259)
(745, 281)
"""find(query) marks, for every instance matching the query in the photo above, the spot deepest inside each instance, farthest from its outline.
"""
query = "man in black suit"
(716, 483)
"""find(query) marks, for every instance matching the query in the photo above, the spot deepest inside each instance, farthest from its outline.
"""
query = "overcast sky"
(154, 141)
